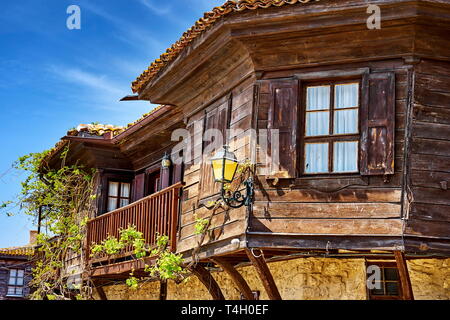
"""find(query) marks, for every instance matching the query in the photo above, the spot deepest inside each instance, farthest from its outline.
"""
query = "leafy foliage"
(200, 225)
(167, 266)
(65, 197)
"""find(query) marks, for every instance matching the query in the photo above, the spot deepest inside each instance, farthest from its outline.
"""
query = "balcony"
(154, 215)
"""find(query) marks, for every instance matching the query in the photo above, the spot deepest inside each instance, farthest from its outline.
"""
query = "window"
(16, 283)
(153, 182)
(331, 137)
(388, 286)
(118, 195)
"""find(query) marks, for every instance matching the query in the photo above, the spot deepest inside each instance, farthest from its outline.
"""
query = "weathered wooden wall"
(200, 187)
(349, 205)
(429, 169)
(281, 45)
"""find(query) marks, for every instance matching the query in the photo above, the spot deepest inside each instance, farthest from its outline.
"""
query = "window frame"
(119, 197)
(385, 265)
(332, 138)
(15, 285)
(149, 172)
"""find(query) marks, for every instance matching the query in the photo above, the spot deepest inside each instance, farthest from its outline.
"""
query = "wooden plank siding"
(429, 175)
(350, 205)
(224, 224)
(245, 57)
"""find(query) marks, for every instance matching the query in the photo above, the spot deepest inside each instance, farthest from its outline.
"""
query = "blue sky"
(53, 78)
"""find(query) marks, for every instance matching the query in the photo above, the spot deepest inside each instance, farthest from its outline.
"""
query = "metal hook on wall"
(253, 253)
(328, 247)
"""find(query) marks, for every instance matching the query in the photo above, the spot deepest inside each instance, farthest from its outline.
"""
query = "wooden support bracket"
(264, 274)
(236, 277)
(208, 281)
(405, 281)
(163, 290)
(99, 288)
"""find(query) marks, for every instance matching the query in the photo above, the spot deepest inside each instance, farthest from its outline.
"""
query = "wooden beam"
(163, 290)
(208, 281)
(264, 274)
(101, 293)
(237, 278)
(405, 281)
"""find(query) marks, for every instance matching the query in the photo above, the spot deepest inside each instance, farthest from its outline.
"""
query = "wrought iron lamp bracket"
(237, 199)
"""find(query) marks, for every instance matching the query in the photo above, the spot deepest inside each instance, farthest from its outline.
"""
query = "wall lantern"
(224, 166)
(165, 162)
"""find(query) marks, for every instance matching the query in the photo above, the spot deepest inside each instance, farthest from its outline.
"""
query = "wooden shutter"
(378, 124)
(217, 118)
(177, 173)
(138, 187)
(283, 116)
(194, 150)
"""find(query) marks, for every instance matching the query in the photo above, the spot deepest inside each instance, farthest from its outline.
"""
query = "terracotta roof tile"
(200, 26)
(18, 251)
(96, 130)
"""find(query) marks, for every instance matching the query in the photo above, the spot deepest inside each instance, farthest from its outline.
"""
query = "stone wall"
(302, 279)
(299, 279)
(430, 279)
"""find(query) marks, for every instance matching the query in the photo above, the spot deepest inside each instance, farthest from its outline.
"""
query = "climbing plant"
(167, 265)
(67, 194)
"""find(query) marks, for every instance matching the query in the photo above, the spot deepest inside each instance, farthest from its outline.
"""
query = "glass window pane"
(346, 121)
(19, 282)
(11, 290)
(112, 204)
(390, 274)
(318, 98)
(20, 273)
(19, 292)
(124, 202)
(377, 292)
(392, 289)
(125, 190)
(317, 123)
(12, 281)
(345, 156)
(113, 189)
(346, 95)
(13, 272)
(316, 158)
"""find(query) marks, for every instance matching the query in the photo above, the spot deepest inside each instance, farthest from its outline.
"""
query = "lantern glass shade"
(166, 163)
(224, 165)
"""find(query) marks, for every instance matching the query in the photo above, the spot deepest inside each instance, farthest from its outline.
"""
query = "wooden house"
(347, 124)
(16, 271)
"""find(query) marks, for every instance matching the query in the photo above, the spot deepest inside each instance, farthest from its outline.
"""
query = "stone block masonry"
(302, 279)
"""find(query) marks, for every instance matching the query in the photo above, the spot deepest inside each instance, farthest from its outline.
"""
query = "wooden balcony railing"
(153, 215)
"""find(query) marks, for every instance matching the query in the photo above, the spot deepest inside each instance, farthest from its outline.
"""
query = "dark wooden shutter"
(217, 118)
(283, 116)
(165, 178)
(138, 187)
(378, 124)
(177, 173)
(193, 151)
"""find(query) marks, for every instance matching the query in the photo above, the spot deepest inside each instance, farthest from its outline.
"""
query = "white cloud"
(89, 80)
(161, 11)
(97, 91)
(128, 32)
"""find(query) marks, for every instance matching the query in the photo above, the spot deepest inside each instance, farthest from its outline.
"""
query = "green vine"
(67, 196)
(168, 265)
(200, 225)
